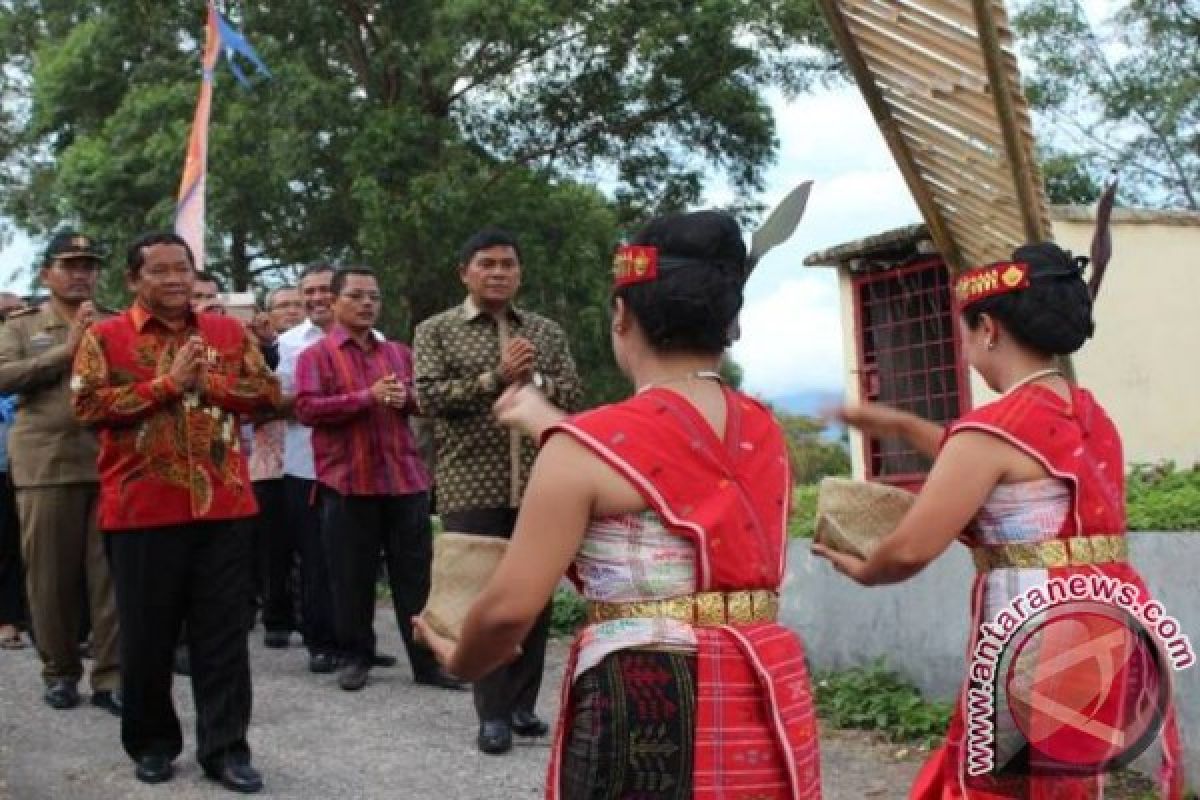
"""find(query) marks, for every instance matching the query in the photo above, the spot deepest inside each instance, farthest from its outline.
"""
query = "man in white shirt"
(299, 474)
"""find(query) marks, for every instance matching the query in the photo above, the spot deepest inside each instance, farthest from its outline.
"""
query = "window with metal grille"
(909, 357)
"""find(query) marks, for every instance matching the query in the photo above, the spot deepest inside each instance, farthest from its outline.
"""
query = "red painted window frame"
(913, 479)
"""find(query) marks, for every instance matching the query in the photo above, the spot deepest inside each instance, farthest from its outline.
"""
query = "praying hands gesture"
(516, 364)
(388, 391)
(188, 364)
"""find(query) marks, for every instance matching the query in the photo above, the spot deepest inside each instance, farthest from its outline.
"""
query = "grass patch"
(804, 512)
(568, 612)
(875, 698)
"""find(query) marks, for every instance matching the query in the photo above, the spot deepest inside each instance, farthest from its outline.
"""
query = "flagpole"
(190, 206)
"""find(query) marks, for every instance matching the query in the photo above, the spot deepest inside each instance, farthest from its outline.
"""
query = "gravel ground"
(311, 740)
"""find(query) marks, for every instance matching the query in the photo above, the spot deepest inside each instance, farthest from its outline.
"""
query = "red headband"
(634, 263)
(1000, 277)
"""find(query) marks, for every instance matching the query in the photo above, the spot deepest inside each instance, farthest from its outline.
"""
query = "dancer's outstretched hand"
(442, 647)
(873, 419)
(852, 567)
(527, 410)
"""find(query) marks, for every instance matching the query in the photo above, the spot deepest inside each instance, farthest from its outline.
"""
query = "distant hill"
(810, 403)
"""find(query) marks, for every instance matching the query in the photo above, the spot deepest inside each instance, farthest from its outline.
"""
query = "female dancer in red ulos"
(670, 511)
(1033, 483)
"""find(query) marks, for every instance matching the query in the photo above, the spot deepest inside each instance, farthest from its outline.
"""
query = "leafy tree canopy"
(1123, 96)
(390, 131)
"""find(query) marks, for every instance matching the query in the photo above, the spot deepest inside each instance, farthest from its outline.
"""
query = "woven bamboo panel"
(941, 80)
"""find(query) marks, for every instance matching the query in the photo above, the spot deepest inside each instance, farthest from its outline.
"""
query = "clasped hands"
(189, 367)
(516, 363)
(389, 392)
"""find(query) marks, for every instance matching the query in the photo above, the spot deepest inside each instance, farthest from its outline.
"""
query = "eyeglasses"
(358, 295)
(286, 304)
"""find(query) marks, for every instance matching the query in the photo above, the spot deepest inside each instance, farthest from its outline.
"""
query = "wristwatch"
(538, 381)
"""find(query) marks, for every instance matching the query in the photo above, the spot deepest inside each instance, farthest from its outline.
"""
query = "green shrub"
(1158, 497)
(568, 611)
(875, 698)
(1162, 498)
(804, 512)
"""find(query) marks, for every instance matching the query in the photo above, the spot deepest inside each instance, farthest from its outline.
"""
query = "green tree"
(1123, 95)
(391, 130)
(813, 456)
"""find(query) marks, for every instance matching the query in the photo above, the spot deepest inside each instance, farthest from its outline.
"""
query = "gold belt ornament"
(1070, 552)
(702, 608)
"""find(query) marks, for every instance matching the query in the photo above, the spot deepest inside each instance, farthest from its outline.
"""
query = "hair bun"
(1048, 260)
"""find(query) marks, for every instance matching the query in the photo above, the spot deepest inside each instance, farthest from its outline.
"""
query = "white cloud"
(791, 339)
(15, 263)
(791, 327)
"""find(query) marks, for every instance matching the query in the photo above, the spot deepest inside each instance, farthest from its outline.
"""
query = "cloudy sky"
(791, 334)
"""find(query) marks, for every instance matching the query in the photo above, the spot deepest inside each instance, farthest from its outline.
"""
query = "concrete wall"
(920, 627)
(1139, 363)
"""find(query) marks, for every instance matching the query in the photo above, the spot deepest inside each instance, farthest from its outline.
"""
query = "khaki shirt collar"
(49, 316)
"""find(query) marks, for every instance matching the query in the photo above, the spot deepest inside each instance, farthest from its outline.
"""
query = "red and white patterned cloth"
(756, 732)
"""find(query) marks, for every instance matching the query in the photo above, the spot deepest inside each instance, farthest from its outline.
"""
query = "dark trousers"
(356, 528)
(198, 573)
(13, 610)
(316, 593)
(514, 686)
(274, 553)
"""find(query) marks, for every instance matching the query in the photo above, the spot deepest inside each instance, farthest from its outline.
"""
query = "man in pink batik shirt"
(355, 391)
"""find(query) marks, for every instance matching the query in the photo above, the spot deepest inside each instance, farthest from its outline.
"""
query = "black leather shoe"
(322, 663)
(277, 640)
(495, 737)
(61, 695)
(154, 769)
(236, 774)
(110, 701)
(353, 677)
(383, 660)
(439, 679)
(527, 723)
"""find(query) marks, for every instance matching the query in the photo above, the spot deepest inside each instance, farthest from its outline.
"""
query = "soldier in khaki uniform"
(53, 466)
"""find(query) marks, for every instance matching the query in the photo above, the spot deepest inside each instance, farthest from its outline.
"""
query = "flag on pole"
(189, 208)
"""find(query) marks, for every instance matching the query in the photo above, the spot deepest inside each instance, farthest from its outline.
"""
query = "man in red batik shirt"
(165, 386)
(356, 393)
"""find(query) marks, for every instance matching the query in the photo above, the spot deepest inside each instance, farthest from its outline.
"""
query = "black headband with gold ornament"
(1000, 277)
(635, 263)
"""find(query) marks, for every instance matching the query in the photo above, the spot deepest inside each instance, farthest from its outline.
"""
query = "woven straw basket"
(462, 564)
(852, 516)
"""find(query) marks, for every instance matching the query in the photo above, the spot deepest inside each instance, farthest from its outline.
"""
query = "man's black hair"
(483, 239)
(135, 256)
